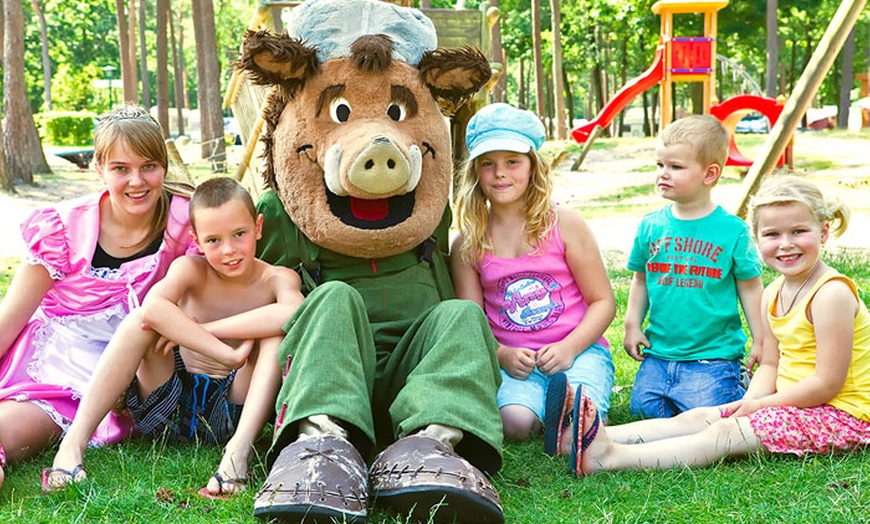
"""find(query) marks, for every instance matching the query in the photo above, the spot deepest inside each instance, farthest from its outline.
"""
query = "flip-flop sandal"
(72, 474)
(221, 494)
(583, 434)
(557, 413)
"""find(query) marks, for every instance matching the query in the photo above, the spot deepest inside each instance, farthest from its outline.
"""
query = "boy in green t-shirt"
(692, 261)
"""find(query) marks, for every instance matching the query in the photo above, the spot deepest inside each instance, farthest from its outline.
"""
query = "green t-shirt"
(691, 270)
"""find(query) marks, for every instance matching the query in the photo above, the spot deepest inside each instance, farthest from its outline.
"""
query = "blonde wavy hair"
(783, 190)
(471, 208)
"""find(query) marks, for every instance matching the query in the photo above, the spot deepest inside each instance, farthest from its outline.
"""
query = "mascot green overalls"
(358, 159)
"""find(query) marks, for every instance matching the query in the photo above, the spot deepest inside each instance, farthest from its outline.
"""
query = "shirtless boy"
(203, 344)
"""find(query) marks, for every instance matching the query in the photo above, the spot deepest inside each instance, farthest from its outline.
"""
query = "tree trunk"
(569, 99)
(558, 86)
(548, 101)
(22, 145)
(162, 67)
(598, 89)
(178, 72)
(2, 35)
(182, 61)
(209, 82)
(521, 91)
(772, 49)
(539, 62)
(846, 81)
(623, 78)
(497, 54)
(5, 182)
(696, 94)
(123, 49)
(46, 61)
(133, 95)
(143, 59)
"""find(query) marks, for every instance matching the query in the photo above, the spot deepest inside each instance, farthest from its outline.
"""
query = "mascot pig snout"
(381, 169)
(356, 144)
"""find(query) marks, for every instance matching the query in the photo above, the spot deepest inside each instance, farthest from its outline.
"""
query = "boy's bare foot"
(595, 440)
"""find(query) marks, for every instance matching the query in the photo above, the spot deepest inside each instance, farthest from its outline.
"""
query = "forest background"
(61, 55)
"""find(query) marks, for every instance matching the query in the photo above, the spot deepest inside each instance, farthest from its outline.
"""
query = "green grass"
(7, 271)
(140, 481)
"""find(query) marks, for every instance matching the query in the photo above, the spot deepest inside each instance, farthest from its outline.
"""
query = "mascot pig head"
(356, 144)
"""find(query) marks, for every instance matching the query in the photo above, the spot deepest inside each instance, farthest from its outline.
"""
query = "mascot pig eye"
(339, 110)
(397, 112)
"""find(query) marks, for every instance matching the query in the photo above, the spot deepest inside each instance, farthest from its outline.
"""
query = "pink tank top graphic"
(532, 300)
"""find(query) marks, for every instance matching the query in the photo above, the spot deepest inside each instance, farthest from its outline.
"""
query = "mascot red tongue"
(357, 157)
(369, 209)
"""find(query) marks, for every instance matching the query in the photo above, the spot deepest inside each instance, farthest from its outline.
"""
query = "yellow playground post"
(688, 59)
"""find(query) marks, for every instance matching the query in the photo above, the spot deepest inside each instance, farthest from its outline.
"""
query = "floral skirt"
(820, 429)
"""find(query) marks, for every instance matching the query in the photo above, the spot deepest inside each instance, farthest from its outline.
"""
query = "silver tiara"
(130, 113)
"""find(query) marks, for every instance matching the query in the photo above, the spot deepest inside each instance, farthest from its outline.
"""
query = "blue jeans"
(664, 388)
(592, 368)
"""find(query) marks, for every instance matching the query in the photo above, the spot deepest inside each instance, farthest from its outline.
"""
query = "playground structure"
(783, 127)
(732, 111)
(455, 28)
(683, 59)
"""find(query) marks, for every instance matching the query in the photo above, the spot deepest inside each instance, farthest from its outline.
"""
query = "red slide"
(624, 96)
(734, 109)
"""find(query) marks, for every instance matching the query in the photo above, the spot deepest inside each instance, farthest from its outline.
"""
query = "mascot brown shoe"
(315, 479)
(422, 477)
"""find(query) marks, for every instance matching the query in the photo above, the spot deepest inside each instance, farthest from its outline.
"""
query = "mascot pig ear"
(454, 75)
(273, 59)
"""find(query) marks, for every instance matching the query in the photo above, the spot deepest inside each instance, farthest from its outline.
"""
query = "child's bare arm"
(584, 260)
(160, 312)
(764, 379)
(466, 280)
(266, 320)
(638, 303)
(832, 313)
(749, 292)
(25, 293)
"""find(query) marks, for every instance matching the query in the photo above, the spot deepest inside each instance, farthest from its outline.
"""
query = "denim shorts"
(664, 388)
(592, 368)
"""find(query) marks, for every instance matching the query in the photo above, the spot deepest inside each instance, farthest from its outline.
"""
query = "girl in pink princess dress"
(90, 261)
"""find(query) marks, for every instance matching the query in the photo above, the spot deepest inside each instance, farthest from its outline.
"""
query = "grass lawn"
(142, 481)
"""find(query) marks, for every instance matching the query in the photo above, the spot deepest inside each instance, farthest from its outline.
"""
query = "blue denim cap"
(502, 127)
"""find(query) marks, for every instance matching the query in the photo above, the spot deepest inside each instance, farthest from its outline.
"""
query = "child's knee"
(519, 422)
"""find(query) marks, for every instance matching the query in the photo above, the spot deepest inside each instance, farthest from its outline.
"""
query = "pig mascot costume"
(379, 359)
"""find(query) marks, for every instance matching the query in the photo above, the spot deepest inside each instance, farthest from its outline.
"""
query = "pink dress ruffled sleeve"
(51, 361)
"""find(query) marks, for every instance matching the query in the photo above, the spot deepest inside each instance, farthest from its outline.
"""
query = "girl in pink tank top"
(536, 271)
